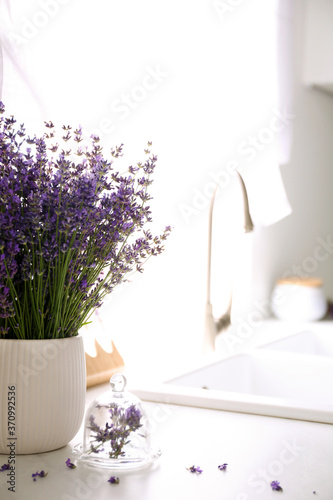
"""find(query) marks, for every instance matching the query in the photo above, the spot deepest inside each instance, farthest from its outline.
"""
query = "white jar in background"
(299, 299)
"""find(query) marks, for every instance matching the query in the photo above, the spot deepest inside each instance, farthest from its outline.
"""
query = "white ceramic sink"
(291, 378)
(308, 342)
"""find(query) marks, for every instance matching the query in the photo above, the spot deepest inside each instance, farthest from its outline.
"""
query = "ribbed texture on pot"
(50, 385)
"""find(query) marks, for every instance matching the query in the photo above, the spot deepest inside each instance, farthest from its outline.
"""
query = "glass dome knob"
(118, 384)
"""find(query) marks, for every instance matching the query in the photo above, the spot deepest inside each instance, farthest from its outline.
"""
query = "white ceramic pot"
(42, 393)
(301, 299)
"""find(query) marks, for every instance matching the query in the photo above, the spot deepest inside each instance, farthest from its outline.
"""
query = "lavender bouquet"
(71, 229)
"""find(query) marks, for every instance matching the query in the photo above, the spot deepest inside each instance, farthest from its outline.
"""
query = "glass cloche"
(116, 431)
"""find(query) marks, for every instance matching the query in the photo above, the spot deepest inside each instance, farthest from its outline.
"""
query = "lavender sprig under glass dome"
(122, 423)
(71, 229)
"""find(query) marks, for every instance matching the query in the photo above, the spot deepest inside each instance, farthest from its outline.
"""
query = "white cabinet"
(318, 49)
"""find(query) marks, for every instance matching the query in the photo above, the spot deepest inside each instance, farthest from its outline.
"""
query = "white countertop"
(257, 450)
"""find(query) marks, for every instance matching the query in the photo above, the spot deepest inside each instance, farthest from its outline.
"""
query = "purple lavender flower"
(195, 469)
(222, 467)
(275, 485)
(66, 216)
(40, 474)
(70, 464)
(4, 467)
(132, 417)
(113, 480)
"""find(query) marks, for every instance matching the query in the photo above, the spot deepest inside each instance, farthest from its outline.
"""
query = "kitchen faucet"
(213, 326)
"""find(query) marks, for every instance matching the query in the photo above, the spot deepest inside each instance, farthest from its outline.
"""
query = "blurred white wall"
(292, 245)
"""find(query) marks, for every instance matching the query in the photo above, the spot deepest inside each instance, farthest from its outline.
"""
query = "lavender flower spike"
(275, 485)
(113, 480)
(69, 464)
(71, 229)
(123, 422)
(40, 474)
(195, 469)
